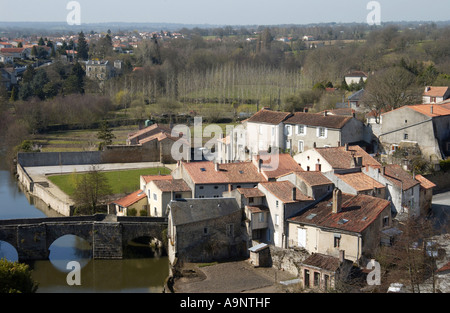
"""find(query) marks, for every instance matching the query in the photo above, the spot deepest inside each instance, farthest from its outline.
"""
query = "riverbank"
(229, 277)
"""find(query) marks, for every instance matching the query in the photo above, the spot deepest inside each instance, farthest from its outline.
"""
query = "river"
(143, 270)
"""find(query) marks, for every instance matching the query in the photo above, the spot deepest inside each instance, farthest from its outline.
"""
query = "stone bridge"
(107, 234)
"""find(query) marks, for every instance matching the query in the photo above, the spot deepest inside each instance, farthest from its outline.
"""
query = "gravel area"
(230, 277)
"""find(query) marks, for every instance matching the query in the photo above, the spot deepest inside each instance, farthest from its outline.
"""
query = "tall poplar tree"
(82, 48)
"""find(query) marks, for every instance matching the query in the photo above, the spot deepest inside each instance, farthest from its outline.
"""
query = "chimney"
(230, 187)
(216, 166)
(337, 201)
(259, 165)
(431, 109)
(346, 147)
(325, 113)
(427, 88)
(382, 170)
(294, 193)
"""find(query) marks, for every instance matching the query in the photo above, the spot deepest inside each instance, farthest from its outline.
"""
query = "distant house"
(20, 53)
(121, 207)
(102, 70)
(204, 230)
(355, 77)
(8, 77)
(341, 222)
(354, 100)
(434, 94)
(427, 125)
(272, 166)
(304, 131)
(312, 184)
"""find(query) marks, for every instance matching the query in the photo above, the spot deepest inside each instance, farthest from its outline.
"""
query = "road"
(441, 210)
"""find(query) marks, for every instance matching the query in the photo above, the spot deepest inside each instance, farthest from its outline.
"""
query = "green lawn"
(125, 181)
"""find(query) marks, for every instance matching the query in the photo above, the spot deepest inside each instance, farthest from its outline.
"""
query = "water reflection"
(69, 248)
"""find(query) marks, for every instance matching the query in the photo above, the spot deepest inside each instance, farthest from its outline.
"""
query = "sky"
(224, 12)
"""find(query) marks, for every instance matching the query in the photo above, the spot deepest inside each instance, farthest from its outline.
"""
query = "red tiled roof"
(326, 262)
(277, 164)
(131, 198)
(398, 176)
(446, 267)
(360, 181)
(357, 213)
(268, 116)
(12, 50)
(172, 185)
(431, 110)
(257, 208)
(151, 130)
(313, 178)
(435, 91)
(339, 157)
(149, 178)
(250, 192)
(317, 119)
(205, 173)
(283, 191)
(425, 183)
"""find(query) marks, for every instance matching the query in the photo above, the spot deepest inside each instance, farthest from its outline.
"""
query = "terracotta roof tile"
(340, 158)
(131, 198)
(257, 208)
(283, 191)
(250, 192)
(425, 183)
(172, 185)
(360, 181)
(435, 91)
(268, 116)
(313, 178)
(276, 165)
(357, 213)
(323, 261)
(431, 110)
(149, 178)
(321, 120)
(398, 176)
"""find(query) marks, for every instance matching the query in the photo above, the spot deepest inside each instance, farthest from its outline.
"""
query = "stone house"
(354, 181)
(434, 94)
(204, 230)
(312, 184)
(161, 189)
(426, 194)
(355, 77)
(102, 70)
(305, 131)
(427, 125)
(271, 166)
(265, 130)
(352, 223)
(322, 272)
(209, 180)
(284, 200)
(332, 158)
(136, 200)
(402, 190)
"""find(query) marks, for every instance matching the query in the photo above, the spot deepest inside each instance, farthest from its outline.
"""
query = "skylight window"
(342, 221)
(203, 169)
(311, 216)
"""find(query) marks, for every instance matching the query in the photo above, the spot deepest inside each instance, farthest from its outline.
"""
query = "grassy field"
(125, 181)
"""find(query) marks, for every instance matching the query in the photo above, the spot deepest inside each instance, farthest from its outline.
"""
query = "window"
(277, 219)
(316, 278)
(337, 240)
(276, 203)
(177, 196)
(385, 221)
(216, 187)
(405, 136)
(260, 130)
(288, 144)
(201, 197)
(301, 146)
(155, 211)
(201, 187)
(273, 131)
(250, 200)
(155, 197)
(288, 130)
(321, 132)
(261, 217)
(230, 230)
(205, 230)
(301, 129)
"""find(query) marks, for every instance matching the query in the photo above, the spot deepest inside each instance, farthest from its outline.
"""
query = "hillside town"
(315, 191)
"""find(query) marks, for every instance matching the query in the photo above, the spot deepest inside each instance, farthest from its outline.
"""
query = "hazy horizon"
(230, 12)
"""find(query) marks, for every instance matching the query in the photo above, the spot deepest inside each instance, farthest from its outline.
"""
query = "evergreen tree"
(41, 42)
(105, 134)
(82, 49)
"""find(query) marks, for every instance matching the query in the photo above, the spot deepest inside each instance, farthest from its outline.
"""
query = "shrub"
(131, 212)
(16, 277)
(143, 212)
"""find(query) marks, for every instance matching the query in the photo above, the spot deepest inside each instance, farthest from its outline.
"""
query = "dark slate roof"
(357, 95)
(187, 211)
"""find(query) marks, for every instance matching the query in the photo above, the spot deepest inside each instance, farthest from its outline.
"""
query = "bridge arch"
(8, 251)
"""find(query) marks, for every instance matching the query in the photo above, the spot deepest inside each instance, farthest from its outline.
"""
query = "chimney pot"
(346, 147)
(337, 201)
(216, 166)
(294, 193)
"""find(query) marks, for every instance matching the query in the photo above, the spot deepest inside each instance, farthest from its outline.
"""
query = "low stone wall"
(287, 259)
